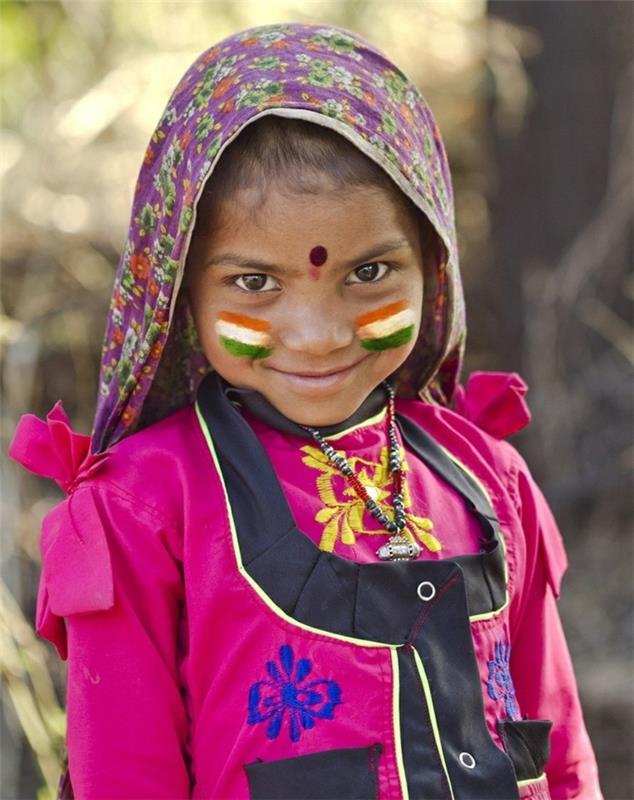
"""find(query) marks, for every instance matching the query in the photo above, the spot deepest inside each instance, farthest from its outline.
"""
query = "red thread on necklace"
(397, 474)
(359, 488)
(398, 481)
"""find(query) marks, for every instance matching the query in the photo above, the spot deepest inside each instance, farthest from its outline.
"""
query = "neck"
(260, 407)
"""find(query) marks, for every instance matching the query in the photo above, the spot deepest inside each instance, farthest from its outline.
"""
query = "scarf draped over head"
(152, 362)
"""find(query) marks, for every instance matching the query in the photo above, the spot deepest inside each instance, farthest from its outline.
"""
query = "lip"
(315, 383)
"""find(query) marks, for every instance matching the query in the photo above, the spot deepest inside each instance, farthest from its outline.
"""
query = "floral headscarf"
(152, 362)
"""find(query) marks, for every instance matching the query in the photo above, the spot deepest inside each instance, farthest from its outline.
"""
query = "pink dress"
(206, 660)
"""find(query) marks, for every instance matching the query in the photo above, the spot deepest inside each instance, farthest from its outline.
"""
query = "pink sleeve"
(540, 662)
(127, 724)
(110, 598)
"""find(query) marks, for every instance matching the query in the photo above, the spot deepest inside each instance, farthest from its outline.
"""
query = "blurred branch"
(507, 47)
(605, 322)
(547, 292)
(597, 240)
(29, 686)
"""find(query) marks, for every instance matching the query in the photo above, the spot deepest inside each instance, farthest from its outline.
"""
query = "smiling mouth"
(325, 374)
(315, 382)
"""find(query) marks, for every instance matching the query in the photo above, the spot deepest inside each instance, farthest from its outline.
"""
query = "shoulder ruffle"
(494, 401)
(76, 567)
(51, 448)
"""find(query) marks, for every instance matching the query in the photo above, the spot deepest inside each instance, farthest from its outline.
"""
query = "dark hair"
(296, 155)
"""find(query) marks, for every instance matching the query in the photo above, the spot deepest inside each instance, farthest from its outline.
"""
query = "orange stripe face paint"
(387, 327)
(245, 337)
(247, 322)
(381, 313)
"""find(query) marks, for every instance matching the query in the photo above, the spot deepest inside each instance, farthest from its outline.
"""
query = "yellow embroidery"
(344, 513)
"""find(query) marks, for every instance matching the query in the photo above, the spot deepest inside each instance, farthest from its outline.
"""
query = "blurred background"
(534, 100)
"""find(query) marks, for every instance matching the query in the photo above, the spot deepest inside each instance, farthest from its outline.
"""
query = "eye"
(368, 273)
(258, 282)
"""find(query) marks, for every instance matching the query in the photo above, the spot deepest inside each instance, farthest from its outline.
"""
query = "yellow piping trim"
(236, 547)
(529, 781)
(497, 611)
(474, 477)
(366, 423)
(469, 472)
(396, 716)
(432, 716)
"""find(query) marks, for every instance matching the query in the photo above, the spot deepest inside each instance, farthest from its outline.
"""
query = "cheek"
(242, 336)
(226, 333)
(387, 327)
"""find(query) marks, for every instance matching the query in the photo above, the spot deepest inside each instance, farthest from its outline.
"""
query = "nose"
(315, 328)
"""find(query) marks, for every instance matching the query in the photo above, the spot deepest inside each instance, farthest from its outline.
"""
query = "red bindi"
(318, 256)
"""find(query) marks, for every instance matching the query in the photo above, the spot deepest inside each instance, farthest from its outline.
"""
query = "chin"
(316, 415)
(317, 421)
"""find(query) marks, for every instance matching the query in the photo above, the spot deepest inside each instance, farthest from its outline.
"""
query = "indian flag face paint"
(387, 327)
(242, 336)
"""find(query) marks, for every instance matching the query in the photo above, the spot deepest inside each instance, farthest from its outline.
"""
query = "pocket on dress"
(527, 743)
(349, 773)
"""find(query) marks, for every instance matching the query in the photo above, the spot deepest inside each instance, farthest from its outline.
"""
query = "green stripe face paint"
(386, 328)
(244, 337)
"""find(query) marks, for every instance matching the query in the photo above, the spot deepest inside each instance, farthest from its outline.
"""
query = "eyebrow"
(236, 260)
(379, 250)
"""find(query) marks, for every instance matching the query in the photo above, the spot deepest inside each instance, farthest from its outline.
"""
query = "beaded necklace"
(399, 547)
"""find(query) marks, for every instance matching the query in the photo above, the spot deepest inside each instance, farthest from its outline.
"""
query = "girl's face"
(296, 283)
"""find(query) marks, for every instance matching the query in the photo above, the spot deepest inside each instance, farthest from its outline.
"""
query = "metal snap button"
(467, 760)
(426, 590)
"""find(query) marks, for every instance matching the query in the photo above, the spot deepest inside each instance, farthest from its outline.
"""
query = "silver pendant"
(399, 548)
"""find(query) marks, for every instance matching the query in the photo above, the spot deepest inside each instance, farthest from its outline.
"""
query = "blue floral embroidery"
(285, 693)
(500, 684)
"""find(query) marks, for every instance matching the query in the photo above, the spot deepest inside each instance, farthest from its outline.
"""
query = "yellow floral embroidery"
(344, 513)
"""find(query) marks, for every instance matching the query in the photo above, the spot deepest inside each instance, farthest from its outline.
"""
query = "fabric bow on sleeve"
(494, 401)
(51, 448)
(76, 567)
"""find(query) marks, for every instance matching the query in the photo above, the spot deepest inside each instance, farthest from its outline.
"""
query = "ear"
(428, 238)
(192, 265)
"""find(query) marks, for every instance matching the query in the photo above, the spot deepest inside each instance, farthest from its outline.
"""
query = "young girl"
(285, 567)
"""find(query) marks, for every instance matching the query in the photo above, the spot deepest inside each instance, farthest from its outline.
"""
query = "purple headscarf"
(152, 362)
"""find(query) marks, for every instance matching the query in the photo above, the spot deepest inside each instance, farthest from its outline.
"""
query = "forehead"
(292, 221)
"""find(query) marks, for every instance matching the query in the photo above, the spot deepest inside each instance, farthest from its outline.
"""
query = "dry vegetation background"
(535, 103)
